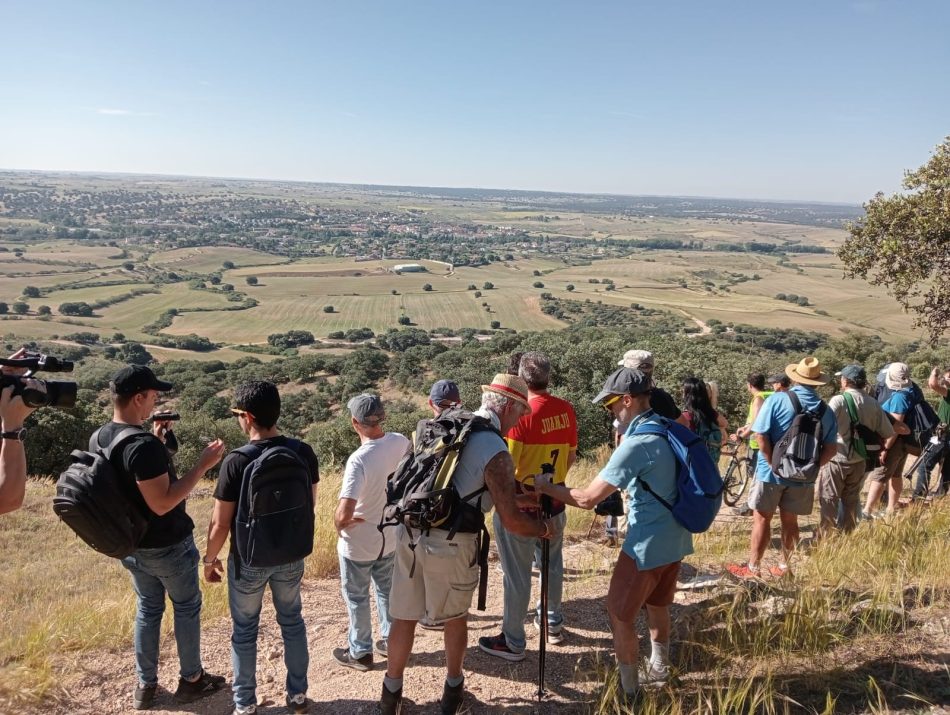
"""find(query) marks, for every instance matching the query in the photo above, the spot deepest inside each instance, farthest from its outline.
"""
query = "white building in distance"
(409, 268)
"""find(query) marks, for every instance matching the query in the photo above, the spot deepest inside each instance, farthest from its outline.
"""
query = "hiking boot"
(381, 647)
(555, 633)
(498, 647)
(143, 695)
(743, 571)
(431, 625)
(245, 709)
(344, 657)
(298, 703)
(206, 684)
(390, 703)
(652, 674)
(452, 698)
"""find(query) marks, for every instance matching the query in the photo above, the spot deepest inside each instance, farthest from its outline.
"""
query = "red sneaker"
(743, 571)
(779, 572)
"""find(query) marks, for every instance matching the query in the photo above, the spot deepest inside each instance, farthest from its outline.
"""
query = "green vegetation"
(902, 243)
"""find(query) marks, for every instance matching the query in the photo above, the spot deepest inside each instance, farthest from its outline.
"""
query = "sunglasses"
(607, 404)
(240, 413)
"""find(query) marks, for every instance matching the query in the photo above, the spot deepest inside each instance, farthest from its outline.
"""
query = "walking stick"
(545, 566)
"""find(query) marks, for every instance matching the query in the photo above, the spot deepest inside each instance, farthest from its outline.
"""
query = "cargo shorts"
(443, 577)
(767, 498)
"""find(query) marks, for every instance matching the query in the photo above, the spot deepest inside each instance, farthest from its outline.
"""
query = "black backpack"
(795, 457)
(920, 418)
(97, 502)
(421, 495)
(274, 521)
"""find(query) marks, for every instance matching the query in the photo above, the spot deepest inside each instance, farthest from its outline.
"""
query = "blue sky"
(827, 101)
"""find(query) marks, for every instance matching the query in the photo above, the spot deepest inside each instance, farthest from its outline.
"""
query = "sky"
(812, 100)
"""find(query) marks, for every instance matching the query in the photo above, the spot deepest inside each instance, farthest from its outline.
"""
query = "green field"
(292, 295)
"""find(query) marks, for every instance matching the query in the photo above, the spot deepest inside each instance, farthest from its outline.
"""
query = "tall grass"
(781, 647)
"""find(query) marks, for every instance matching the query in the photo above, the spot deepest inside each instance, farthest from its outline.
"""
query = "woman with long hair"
(701, 417)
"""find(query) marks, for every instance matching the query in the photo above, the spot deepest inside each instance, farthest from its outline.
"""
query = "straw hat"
(510, 386)
(807, 372)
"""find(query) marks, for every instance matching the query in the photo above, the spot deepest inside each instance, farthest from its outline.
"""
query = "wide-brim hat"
(897, 376)
(510, 386)
(807, 372)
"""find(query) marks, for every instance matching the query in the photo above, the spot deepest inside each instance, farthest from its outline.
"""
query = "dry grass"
(61, 601)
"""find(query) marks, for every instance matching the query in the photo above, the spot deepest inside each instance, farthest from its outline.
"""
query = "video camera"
(58, 393)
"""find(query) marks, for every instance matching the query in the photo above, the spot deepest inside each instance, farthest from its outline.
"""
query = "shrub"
(31, 292)
(537, 284)
(81, 309)
(336, 335)
(44, 310)
(569, 286)
(251, 280)
(495, 325)
(290, 339)
(328, 309)
(404, 320)
(488, 285)
(427, 287)
(227, 265)
(21, 308)
(4, 308)
(478, 294)
(472, 286)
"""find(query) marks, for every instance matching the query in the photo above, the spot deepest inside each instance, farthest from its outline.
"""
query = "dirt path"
(104, 682)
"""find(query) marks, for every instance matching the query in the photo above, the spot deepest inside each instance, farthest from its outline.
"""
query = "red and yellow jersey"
(547, 435)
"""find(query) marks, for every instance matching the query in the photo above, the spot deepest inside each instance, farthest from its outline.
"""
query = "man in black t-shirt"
(257, 407)
(166, 560)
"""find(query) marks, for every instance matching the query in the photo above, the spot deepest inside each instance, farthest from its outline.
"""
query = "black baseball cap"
(136, 378)
(625, 381)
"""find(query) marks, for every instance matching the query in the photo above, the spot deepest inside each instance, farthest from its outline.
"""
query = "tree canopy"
(903, 243)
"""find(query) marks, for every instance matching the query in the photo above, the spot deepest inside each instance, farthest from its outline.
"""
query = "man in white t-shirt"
(364, 556)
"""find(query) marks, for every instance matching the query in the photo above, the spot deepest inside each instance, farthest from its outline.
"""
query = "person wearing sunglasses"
(655, 544)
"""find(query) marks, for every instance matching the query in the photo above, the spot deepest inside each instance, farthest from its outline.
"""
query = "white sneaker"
(651, 674)
(555, 633)
(245, 709)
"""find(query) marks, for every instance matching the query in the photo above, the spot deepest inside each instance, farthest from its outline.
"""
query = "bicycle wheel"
(733, 483)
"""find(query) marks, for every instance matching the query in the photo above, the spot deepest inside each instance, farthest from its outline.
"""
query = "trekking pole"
(545, 566)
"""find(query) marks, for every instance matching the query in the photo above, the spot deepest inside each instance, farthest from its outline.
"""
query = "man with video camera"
(13, 412)
(166, 559)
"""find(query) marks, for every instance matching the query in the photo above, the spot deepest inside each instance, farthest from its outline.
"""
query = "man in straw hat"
(771, 493)
(894, 450)
(446, 571)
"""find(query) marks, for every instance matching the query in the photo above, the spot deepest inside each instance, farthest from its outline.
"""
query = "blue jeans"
(354, 582)
(245, 596)
(516, 554)
(155, 572)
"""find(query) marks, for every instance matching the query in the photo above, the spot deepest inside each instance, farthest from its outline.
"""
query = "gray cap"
(625, 381)
(855, 373)
(367, 409)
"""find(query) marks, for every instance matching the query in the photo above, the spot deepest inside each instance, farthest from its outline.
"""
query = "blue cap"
(445, 391)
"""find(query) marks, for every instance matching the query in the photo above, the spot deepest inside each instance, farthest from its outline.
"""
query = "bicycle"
(738, 474)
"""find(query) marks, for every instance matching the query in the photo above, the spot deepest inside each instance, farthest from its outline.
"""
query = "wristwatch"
(18, 435)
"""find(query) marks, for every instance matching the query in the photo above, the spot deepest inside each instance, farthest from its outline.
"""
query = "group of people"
(430, 578)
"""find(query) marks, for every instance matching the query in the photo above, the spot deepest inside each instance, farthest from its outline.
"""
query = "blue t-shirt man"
(654, 538)
(774, 419)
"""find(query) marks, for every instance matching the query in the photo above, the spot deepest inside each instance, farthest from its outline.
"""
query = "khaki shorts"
(631, 588)
(443, 581)
(893, 464)
(766, 498)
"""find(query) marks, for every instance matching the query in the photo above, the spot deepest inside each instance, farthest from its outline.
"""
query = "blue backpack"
(698, 484)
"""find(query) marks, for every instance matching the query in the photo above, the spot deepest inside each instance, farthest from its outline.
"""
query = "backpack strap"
(796, 405)
(660, 430)
(122, 435)
(857, 444)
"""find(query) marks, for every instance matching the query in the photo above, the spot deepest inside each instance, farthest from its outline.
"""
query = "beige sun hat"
(898, 376)
(807, 372)
(637, 360)
(510, 386)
